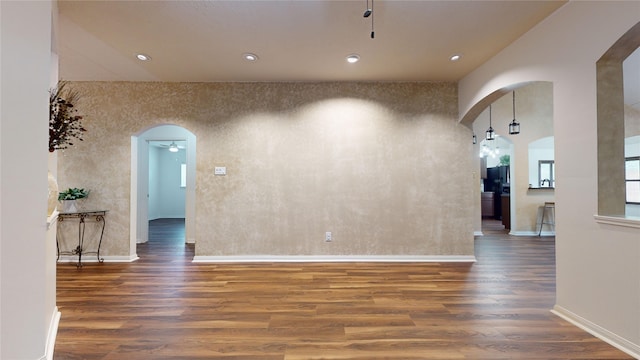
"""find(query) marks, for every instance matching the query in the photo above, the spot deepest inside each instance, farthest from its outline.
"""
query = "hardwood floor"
(165, 307)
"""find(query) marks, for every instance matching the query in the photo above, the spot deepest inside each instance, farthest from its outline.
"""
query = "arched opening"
(618, 116)
(139, 230)
(533, 105)
(495, 199)
(542, 163)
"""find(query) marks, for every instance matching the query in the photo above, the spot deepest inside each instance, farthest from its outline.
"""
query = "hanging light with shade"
(491, 135)
(514, 126)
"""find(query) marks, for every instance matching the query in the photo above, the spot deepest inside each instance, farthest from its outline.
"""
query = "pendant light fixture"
(491, 135)
(514, 126)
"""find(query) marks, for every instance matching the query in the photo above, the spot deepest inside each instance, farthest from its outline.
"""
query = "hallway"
(166, 239)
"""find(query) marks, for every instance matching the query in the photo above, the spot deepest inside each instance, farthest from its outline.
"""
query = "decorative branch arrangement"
(64, 121)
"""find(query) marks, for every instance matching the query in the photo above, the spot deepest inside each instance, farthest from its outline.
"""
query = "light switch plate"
(220, 170)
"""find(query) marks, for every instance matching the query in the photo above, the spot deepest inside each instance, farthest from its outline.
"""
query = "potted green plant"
(69, 197)
(505, 160)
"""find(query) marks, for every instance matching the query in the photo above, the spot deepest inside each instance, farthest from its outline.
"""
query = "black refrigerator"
(497, 180)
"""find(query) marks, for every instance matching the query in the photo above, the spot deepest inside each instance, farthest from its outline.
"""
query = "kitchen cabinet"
(505, 202)
(487, 203)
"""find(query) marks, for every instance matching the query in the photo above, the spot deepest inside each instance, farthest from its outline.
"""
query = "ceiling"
(303, 40)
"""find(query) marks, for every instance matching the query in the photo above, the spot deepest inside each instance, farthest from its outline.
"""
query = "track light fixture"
(514, 126)
(491, 135)
(369, 13)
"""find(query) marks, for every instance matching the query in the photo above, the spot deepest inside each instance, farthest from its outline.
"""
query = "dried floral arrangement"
(64, 121)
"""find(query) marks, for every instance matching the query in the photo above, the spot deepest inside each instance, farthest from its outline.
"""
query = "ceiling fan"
(172, 146)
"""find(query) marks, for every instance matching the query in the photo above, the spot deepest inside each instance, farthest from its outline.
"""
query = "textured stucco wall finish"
(384, 166)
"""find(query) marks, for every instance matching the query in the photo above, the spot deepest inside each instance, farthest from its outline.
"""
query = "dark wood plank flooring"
(165, 307)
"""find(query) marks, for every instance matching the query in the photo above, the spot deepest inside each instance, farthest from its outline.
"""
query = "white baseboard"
(328, 258)
(93, 259)
(478, 233)
(598, 331)
(53, 332)
(531, 233)
(188, 241)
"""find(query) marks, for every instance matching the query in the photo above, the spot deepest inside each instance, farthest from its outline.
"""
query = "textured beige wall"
(536, 122)
(611, 133)
(384, 166)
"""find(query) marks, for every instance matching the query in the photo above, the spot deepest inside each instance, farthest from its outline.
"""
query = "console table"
(81, 216)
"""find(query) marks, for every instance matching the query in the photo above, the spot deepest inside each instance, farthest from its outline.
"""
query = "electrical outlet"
(328, 237)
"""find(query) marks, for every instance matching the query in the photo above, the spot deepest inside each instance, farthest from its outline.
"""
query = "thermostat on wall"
(220, 170)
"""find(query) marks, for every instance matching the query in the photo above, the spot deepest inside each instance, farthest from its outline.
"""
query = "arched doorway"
(533, 108)
(140, 180)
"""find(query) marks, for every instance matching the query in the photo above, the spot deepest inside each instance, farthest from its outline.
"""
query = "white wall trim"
(52, 219)
(598, 331)
(632, 222)
(188, 241)
(333, 258)
(478, 233)
(531, 233)
(91, 258)
(53, 333)
(139, 179)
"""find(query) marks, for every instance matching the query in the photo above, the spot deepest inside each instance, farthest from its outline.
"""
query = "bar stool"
(550, 208)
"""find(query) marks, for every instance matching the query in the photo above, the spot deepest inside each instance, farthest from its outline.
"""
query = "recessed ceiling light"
(143, 57)
(455, 57)
(250, 57)
(353, 58)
